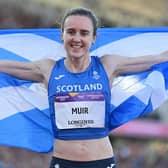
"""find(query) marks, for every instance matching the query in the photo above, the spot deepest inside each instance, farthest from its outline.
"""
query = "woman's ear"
(62, 39)
(94, 39)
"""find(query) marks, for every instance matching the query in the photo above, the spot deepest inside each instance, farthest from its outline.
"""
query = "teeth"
(76, 46)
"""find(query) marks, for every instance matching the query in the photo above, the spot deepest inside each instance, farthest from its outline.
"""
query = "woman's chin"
(76, 56)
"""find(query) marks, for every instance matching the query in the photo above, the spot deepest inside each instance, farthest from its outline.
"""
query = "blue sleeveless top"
(79, 102)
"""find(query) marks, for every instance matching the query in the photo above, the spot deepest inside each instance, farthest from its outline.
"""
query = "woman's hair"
(81, 12)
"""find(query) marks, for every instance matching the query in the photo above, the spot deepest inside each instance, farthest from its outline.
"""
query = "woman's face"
(78, 36)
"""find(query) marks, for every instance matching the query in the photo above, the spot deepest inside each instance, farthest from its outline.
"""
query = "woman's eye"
(84, 33)
(71, 32)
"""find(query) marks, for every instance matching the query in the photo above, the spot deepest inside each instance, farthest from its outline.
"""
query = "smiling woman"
(77, 37)
(79, 92)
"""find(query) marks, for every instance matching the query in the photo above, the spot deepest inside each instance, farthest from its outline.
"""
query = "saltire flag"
(24, 113)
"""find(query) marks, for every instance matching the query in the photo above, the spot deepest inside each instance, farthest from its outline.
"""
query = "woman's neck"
(76, 65)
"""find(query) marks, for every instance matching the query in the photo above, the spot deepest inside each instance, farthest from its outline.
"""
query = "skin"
(78, 38)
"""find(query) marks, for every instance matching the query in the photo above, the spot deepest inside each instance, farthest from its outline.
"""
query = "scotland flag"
(24, 113)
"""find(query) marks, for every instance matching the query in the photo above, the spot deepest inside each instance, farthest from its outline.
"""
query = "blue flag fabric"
(24, 113)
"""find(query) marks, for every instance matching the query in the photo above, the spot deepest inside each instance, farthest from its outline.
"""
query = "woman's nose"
(77, 37)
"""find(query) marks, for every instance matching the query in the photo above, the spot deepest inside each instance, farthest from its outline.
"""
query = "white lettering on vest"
(78, 88)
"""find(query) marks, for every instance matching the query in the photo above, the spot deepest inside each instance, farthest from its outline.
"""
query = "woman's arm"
(37, 71)
(117, 65)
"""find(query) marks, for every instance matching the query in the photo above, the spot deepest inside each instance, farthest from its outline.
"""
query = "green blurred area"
(111, 13)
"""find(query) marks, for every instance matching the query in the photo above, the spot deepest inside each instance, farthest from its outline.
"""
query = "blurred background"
(139, 144)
